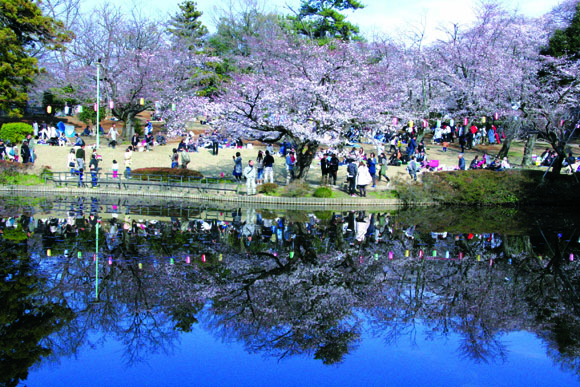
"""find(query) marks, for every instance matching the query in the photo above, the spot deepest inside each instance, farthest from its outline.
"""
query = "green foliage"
(484, 187)
(187, 27)
(268, 188)
(89, 115)
(566, 42)
(296, 189)
(22, 28)
(321, 19)
(322, 192)
(15, 131)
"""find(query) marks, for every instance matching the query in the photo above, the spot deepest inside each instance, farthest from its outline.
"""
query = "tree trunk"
(529, 149)
(557, 166)
(510, 131)
(305, 153)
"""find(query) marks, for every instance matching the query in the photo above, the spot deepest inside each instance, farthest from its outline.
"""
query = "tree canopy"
(23, 29)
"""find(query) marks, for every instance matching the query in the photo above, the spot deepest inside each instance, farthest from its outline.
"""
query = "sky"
(379, 17)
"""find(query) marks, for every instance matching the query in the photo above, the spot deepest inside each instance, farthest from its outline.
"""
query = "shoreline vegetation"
(520, 187)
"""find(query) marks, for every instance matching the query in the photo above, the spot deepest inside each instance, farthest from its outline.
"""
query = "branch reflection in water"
(285, 283)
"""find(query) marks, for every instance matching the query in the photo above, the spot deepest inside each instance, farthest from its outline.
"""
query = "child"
(115, 169)
(81, 184)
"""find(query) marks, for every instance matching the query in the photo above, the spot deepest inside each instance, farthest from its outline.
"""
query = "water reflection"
(282, 283)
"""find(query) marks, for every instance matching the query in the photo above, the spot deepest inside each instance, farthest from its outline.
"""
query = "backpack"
(185, 157)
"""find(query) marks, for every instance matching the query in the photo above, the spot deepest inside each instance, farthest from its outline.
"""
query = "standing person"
(94, 168)
(461, 162)
(80, 155)
(115, 169)
(185, 159)
(135, 141)
(71, 161)
(3, 154)
(383, 167)
(333, 168)
(237, 166)
(269, 167)
(372, 166)
(25, 152)
(128, 159)
(113, 133)
(174, 158)
(351, 172)
(250, 174)
(363, 178)
(290, 161)
(413, 168)
(324, 161)
(260, 167)
(31, 146)
(215, 142)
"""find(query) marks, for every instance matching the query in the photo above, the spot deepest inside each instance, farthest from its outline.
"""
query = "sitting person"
(505, 164)
(78, 141)
(475, 163)
(62, 140)
(161, 140)
(86, 131)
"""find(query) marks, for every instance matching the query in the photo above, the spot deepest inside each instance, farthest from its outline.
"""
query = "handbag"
(71, 164)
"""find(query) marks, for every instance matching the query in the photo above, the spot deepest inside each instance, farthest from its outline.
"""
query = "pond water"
(114, 291)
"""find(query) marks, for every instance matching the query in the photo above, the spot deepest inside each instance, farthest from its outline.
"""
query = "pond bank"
(258, 200)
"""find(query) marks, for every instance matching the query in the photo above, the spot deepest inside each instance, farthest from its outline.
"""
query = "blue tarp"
(60, 126)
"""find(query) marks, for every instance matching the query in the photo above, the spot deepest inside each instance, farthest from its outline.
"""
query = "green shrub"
(15, 131)
(322, 192)
(268, 188)
(296, 189)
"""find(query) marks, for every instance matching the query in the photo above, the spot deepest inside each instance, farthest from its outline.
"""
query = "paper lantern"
(376, 257)
(395, 121)
(540, 257)
(292, 254)
(80, 109)
(140, 265)
(188, 259)
(141, 101)
(478, 257)
(221, 257)
(571, 257)
(447, 254)
(361, 259)
(483, 120)
(425, 123)
(80, 255)
(173, 107)
(434, 253)
(561, 122)
(411, 124)
(452, 122)
(48, 253)
(420, 253)
(111, 104)
(390, 255)
(460, 255)
(95, 107)
(406, 253)
(203, 257)
(496, 116)
(66, 110)
(171, 261)
(490, 262)
(49, 109)
(110, 261)
(465, 121)
(438, 123)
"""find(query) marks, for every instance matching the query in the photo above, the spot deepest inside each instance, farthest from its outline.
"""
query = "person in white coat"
(363, 178)
(250, 174)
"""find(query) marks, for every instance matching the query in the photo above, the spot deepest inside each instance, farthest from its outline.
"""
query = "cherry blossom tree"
(299, 91)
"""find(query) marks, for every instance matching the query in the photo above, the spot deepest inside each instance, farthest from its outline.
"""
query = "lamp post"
(98, 99)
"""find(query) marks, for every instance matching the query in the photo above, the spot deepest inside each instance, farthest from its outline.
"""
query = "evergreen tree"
(23, 29)
(321, 19)
(187, 27)
(566, 42)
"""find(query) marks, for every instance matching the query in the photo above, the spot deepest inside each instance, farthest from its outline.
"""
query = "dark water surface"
(107, 292)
